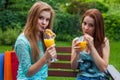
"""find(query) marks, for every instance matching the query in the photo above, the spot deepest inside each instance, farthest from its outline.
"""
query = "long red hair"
(99, 33)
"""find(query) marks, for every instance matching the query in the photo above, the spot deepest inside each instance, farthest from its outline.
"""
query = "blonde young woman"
(29, 47)
(95, 58)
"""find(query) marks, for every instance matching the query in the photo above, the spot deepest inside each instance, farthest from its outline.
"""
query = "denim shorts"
(91, 78)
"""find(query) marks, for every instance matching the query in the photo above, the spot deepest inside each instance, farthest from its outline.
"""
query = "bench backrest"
(114, 74)
(62, 67)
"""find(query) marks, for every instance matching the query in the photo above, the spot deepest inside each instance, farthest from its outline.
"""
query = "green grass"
(59, 43)
(114, 56)
(4, 48)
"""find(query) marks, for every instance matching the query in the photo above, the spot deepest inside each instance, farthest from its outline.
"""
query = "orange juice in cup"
(49, 42)
(82, 44)
(49, 37)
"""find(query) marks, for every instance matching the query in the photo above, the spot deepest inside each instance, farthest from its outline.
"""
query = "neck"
(38, 36)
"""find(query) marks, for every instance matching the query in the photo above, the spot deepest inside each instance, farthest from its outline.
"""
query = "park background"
(68, 13)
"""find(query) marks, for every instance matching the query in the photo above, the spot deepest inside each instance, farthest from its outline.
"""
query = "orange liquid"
(49, 42)
(83, 45)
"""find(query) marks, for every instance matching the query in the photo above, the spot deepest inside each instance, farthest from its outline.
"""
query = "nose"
(86, 27)
(44, 22)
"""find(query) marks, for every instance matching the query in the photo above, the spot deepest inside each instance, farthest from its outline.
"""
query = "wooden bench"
(62, 67)
(114, 74)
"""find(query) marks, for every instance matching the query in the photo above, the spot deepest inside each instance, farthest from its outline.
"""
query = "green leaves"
(9, 36)
(112, 26)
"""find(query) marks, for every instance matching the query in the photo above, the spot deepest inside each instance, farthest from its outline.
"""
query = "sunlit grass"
(115, 54)
(59, 43)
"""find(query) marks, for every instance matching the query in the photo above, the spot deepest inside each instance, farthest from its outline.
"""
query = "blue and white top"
(23, 51)
(87, 66)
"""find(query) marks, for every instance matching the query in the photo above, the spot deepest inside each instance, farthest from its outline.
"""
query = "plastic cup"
(82, 44)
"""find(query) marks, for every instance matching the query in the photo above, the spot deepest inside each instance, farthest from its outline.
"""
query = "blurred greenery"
(67, 19)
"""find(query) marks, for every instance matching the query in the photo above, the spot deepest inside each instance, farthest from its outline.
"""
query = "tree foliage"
(13, 14)
(80, 6)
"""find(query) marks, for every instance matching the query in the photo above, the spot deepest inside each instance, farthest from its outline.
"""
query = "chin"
(84, 33)
(41, 30)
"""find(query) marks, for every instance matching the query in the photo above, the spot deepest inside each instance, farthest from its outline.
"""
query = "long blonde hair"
(31, 26)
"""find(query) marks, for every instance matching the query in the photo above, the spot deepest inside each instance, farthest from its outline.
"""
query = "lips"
(86, 32)
(42, 29)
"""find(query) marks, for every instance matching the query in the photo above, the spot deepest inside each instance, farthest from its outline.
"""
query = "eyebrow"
(89, 23)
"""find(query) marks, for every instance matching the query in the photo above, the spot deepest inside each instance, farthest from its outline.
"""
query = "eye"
(91, 25)
(84, 23)
(41, 17)
(48, 19)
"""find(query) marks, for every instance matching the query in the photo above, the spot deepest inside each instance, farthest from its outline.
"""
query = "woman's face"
(88, 25)
(43, 20)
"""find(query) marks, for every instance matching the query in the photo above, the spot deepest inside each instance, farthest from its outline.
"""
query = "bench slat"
(64, 57)
(62, 73)
(113, 72)
(63, 49)
(60, 65)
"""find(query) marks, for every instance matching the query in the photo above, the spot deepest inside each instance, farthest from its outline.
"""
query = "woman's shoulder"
(21, 36)
(22, 39)
(106, 40)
